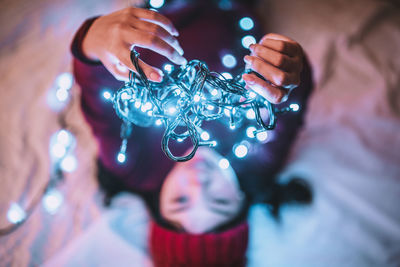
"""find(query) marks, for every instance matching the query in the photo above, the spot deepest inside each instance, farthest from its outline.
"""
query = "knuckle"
(280, 78)
(280, 60)
(278, 97)
(281, 46)
(118, 28)
(153, 40)
(256, 64)
(257, 48)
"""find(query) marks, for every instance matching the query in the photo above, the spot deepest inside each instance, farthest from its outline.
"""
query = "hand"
(111, 38)
(280, 61)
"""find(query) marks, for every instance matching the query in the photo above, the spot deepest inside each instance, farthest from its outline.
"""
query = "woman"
(199, 30)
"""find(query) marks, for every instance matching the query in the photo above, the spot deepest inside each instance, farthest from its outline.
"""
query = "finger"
(282, 44)
(118, 72)
(152, 73)
(277, 59)
(276, 76)
(159, 31)
(155, 17)
(155, 43)
(272, 94)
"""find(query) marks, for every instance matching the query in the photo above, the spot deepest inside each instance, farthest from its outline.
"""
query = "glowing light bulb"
(262, 136)
(229, 61)
(168, 68)
(248, 40)
(158, 122)
(121, 157)
(106, 95)
(227, 75)
(137, 104)
(250, 131)
(196, 98)
(125, 96)
(69, 164)
(64, 80)
(180, 140)
(294, 107)
(52, 201)
(250, 114)
(224, 164)
(241, 151)
(64, 137)
(210, 107)
(15, 214)
(156, 3)
(205, 136)
(62, 94)
(177, 91)
(58, 150)
(214, 92)
(246, 24)
(172, 110)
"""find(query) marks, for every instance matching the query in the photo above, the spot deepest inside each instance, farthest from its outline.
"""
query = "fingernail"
(175, 32)
(251, 47)
(179, 49)
(178, 59)
(247, 59)
(154, 76)
(248, 79)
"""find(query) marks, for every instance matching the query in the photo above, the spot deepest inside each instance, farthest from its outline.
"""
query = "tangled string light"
(186, 97)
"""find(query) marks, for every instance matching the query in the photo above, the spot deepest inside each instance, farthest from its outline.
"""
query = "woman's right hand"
(111, 38)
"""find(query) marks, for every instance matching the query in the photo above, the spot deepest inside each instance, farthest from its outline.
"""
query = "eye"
(181, 199)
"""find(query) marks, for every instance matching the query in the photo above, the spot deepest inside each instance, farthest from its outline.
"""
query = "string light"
(168, 68)
(262, 136)
(64, 81)
(229, 61)
(294, 107)
(121, 157)
(107, 95)
(224, 164)
(250, 114)
(156, 3)
(52, 201)
(205, 136)
(16, 214)
(69, 163)
(240, 151)
(227, 75)
(248, 40)
(186, 96)
(250, 131)
(246, 23)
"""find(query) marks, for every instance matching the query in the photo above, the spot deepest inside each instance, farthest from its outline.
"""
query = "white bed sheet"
(349, 149)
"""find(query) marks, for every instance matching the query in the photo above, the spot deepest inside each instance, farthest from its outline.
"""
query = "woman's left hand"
(280, 61)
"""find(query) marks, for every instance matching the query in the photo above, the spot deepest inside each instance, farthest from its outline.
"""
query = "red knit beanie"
(175, 249)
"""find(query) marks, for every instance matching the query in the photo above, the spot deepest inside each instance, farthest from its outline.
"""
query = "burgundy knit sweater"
(206, 33)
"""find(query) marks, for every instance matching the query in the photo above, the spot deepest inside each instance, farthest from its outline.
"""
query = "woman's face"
(198, 195)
